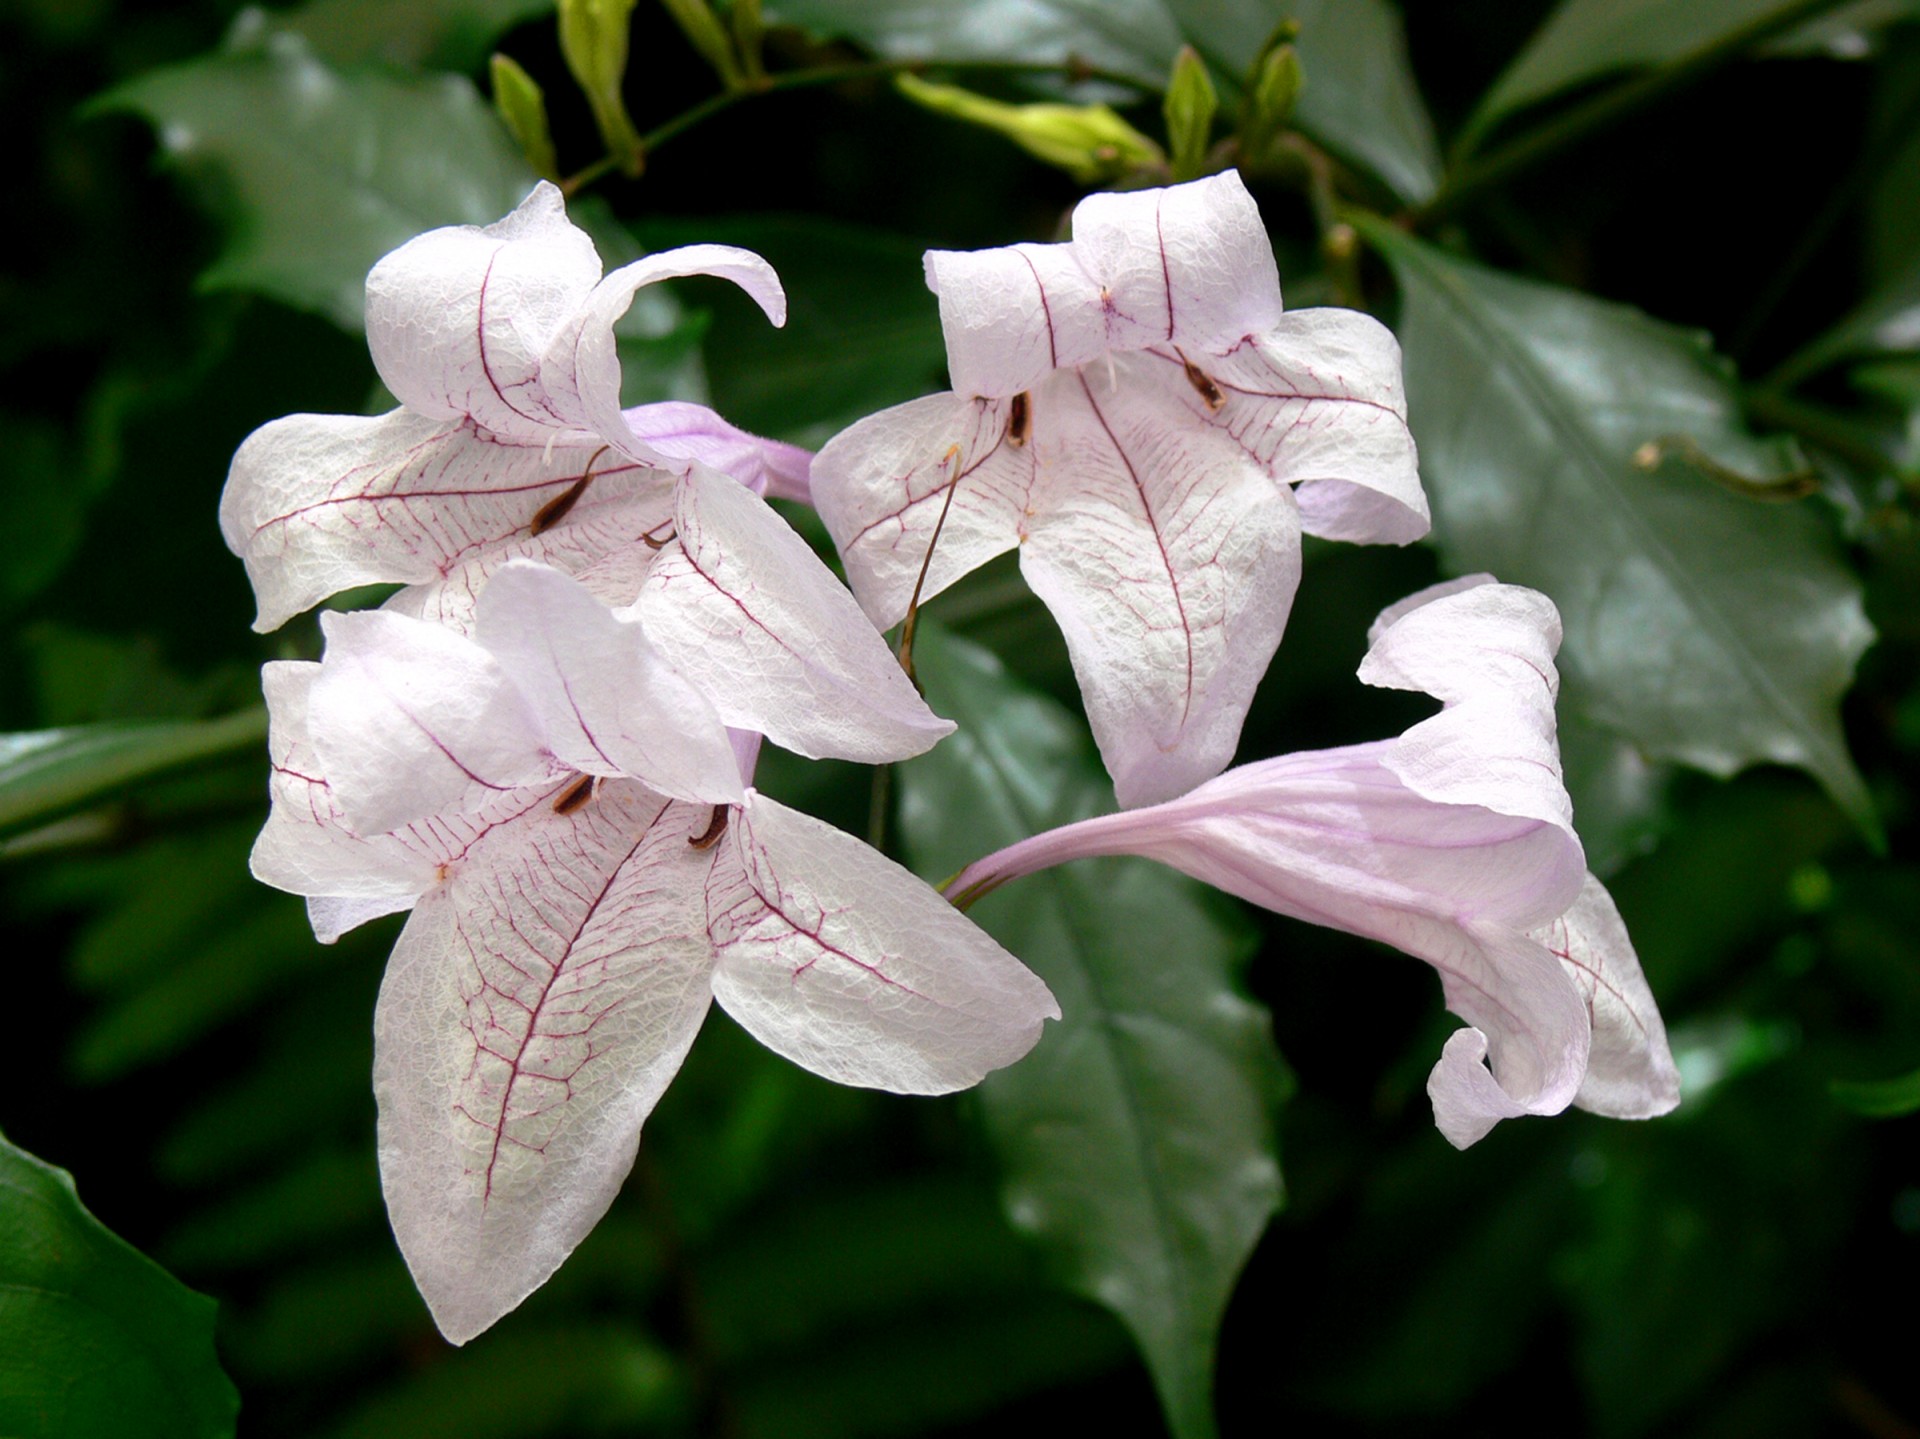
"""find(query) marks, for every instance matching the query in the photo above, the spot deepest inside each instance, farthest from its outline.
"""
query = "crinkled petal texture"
(1630, 1071)
(308, 848)
(411, 720)
(605, 701)
(746, 611)
(832, 955)
(1453, 843)
(532, 1014)
(1134, 412)
(1188, 265)
(511, 443)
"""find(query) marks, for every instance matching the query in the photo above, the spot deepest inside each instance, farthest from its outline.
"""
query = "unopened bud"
(522, 107)
(593, 40)
(1089, 142)
(707, 35)
(1271, 96)
(1189, 107)
(749, 36)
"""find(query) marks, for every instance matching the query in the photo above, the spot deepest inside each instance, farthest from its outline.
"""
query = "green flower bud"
(749, 30)
(1189, 107)
(522, 107)
(707, 35)
(1090, 142)
(1271, 94)
(593, 40)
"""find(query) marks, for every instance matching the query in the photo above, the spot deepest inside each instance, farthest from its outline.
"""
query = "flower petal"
(881, 485)
(832, 955)
(746, 612)
(1630, 1074)
(308, 849)
(1188, 265)
(1014, 315)
(1318, 400)
(1169, 560)
(411, 721)
(533, 1012)
(1485, 650)
(580, 371)
(683, 432)
(608, 704)
(316, 504)
(459, 318)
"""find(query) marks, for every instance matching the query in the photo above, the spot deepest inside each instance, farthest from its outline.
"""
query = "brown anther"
(575, 795)
(1020, 419)
(1202, 383)
(716, 827)
(555, 509)
(651, 543)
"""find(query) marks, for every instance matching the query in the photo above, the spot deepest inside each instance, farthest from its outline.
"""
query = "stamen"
(912, 620)
(651, 543)
(1020, 419)
(716, 827)
(576, 795)
(1202, 382)
(555, 509)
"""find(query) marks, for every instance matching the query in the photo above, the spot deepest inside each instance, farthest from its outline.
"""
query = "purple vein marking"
(480, 341)
(516, 1063)
(1173, 578)
(1166, 273)
(1046, 311)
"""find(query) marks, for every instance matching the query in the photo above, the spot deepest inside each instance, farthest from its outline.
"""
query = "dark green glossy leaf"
(429, 34)
(1359, 98)
(95, 1339)
(1137, 1140)
(47, 773)
(1701, 625)
(319, 172)
(1586, 39)
(862, 331)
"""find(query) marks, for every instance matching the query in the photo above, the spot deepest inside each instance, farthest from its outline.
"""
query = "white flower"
(1135, 412)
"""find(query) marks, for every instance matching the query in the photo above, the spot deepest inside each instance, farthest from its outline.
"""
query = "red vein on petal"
(1159, 540)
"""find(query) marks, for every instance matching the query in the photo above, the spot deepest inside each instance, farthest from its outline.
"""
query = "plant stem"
(1584, 119)
(1818, 426)
(1075, 71)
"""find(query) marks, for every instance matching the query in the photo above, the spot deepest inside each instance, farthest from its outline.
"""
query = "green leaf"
(1586, 39)
(1137, 1141)
(1879, 1098)
(319, 172)
(1359, 98)
(95, 1338)
(427, 34)
(45, 774)
(1701, 626)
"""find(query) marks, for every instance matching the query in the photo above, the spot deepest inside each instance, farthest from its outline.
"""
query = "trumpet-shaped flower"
(568, 818)
(1454, 843)
(1136, 413)
(510, 441)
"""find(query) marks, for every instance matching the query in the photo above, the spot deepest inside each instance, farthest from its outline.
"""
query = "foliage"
(1653, 370)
